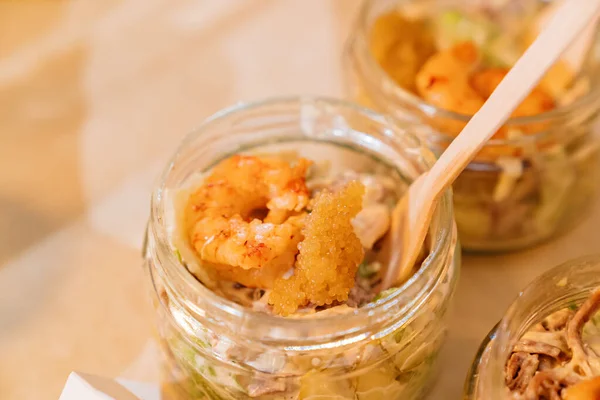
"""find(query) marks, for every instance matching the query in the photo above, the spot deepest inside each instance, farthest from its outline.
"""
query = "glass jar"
(564, 286)
(216, 349)
(520, 190)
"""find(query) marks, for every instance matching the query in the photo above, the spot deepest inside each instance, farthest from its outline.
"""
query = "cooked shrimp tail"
(225, 222)
(444, 79)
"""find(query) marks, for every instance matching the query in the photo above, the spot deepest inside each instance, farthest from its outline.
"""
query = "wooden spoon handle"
(569, 21)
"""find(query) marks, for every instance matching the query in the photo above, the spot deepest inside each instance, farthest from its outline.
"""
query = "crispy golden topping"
(329, 255)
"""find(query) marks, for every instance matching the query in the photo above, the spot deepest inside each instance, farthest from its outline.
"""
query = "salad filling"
(558, 358)
(531, 181)
(257, 231)
(454, 59)
(281, 235)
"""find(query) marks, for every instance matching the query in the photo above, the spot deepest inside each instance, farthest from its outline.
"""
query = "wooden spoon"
(412, 215)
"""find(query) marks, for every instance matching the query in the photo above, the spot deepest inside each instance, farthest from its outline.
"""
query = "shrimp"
(224, 217)
(244, 184)
(537, 102)
(283, 260)
(448, 80)
(444, 79)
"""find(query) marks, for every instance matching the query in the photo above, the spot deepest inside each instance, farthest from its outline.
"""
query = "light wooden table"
(94, 95)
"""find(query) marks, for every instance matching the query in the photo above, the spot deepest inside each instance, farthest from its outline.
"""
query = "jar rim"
(161, 238)
(427, 108)
(472, 380)
(503, 341)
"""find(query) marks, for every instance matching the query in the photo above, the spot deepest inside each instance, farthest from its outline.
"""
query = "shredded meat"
(520, 369)
(558, 320)
(538, 328)
(530, 346)
(585, 358)
(547, 363)
(552, 356)
(359, 295)
(549, 385)
(553, 339)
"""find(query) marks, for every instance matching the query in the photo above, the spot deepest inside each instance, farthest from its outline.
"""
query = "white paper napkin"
(81, 386)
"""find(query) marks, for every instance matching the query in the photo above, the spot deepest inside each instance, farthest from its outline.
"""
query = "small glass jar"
(564, 286)
(216, 349)
(519, 190)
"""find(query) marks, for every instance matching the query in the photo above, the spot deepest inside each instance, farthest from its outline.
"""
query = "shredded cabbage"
(497, 46)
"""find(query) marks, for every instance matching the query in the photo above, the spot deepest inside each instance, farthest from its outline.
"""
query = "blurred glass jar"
(521, 189)
(564, 286)
(216, 349)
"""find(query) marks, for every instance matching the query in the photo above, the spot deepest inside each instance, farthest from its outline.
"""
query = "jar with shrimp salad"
(435, 63)
(268, 238)
(547, 345)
